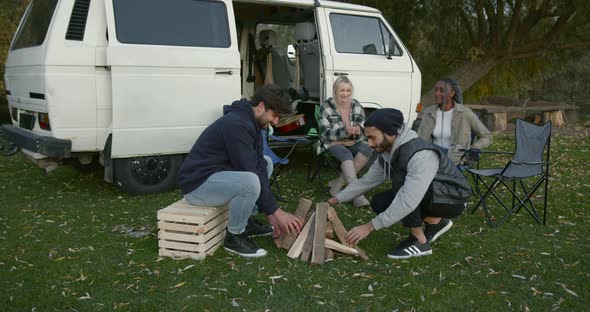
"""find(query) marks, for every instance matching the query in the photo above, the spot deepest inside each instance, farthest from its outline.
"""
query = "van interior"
(279, 44)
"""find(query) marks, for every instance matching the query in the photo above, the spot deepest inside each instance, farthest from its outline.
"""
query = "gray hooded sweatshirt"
(422, 168)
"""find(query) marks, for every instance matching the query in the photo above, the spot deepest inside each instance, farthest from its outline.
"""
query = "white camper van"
(134, 82)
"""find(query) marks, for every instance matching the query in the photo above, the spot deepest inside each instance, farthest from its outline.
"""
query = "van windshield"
(34, 28)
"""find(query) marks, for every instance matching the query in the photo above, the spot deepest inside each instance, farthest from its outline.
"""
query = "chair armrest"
(529, 162)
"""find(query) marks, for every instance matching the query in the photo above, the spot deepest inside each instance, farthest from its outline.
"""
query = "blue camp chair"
(521, 177)
(278, 162)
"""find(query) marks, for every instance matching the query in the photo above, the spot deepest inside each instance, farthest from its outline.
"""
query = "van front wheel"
(149, 174)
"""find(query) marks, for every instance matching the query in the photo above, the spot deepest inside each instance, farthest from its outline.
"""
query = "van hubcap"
(150, 170)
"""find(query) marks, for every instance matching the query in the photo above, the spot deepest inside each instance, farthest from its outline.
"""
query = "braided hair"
(458, 97)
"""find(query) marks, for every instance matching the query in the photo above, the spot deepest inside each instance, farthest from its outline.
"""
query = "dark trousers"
(382, 200)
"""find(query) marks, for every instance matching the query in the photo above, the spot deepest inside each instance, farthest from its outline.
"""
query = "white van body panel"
(163, 97)
(154, 100)
(376, 78)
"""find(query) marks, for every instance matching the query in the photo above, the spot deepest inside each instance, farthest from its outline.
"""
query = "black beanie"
(388, 120)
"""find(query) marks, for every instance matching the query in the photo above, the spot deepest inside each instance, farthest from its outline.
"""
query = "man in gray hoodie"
(426, 186)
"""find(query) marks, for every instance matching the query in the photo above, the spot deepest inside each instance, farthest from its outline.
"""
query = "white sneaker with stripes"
(410, 248)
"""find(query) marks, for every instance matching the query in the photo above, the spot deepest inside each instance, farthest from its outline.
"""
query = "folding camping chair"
(321, 158)
(278, 162)
(533, 143)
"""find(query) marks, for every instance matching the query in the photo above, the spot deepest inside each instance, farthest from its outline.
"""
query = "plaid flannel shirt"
(331, 126)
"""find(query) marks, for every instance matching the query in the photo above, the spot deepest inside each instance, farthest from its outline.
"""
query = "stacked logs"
(316, 242)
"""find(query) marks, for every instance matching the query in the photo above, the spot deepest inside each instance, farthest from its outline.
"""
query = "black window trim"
(22, 23)
(381, 22)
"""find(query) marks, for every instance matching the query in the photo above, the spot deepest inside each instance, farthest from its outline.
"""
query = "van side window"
(34, 29)
(362, 35)
(195, 23)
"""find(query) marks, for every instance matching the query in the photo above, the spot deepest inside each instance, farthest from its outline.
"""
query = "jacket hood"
(406, 134)
(243, 108)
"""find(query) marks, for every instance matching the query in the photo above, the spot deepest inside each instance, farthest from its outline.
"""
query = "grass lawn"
(67, 243)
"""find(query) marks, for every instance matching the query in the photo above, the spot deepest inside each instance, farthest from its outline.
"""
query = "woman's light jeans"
(240, 188)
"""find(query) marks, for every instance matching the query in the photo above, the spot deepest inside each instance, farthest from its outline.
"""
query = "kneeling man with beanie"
(426, 186)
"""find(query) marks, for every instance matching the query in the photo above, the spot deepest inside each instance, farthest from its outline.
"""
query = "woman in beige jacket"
(449, 124)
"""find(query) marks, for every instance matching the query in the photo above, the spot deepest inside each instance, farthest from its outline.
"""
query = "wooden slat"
(297, 246)
(286, 240)
(192, 246)
(213, 223)
(192, 238)
(319, 241)
(308, 245)
(178, 255)
(193, 228)
(182, 211)
(341, 231)
(181, 246)
(339, 247)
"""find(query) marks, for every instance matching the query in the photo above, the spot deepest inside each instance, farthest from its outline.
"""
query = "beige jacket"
(464, 123)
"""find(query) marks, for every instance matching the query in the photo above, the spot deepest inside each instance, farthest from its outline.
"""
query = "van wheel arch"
(147, 174)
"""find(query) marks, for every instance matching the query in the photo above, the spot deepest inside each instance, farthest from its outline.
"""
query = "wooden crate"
(187, 231)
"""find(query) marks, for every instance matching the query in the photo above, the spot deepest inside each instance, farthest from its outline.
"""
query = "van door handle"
(340, 74)
(224, 72)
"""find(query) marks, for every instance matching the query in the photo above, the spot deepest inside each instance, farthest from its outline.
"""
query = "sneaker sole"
(260, 235)
(256, 255)
(442, 231)
(424, 253)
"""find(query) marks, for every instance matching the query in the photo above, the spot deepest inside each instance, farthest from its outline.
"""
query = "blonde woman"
(341, 124)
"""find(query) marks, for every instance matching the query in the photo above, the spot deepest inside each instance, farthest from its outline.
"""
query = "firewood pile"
(316, 243)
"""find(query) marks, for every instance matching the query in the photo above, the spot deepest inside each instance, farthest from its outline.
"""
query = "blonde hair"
(339, 81)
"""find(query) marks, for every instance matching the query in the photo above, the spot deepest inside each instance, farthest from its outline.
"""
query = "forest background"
(531, 49)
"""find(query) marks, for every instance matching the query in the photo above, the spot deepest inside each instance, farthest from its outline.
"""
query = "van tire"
(147, 175)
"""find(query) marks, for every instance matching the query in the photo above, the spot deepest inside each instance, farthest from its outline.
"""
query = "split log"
(286, 240)
(340, 247)
(319, 240)
(297, 246)
(341, 231)
(308, 245)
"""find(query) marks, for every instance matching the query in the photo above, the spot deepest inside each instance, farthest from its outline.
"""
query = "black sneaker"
(433, 231)
(242, 245)
(410, 248)
(255, 228)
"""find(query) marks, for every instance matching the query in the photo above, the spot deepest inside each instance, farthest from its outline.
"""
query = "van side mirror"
(370, 49)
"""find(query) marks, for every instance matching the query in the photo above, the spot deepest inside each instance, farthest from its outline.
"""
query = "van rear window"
(36, 23)
(196, 23)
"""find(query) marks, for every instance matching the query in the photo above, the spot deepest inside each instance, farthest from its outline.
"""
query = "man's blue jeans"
(240, 188)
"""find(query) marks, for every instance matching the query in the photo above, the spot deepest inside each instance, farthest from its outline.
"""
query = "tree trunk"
(466, 75)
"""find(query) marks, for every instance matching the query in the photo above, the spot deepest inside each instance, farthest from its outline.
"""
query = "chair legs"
(518, 201)
(278, 194)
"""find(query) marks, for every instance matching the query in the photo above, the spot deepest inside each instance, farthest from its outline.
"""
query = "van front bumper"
(45, 145)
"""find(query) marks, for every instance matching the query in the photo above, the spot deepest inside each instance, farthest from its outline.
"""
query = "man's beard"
(385, 146)
(261, 122)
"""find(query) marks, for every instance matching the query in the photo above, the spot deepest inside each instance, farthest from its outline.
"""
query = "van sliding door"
(363, 47)
(174, 64)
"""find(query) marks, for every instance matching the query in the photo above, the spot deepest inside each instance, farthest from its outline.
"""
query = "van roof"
(311, 3)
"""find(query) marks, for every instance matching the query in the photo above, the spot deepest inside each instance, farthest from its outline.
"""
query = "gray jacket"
(464, 123)
(422, 168)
